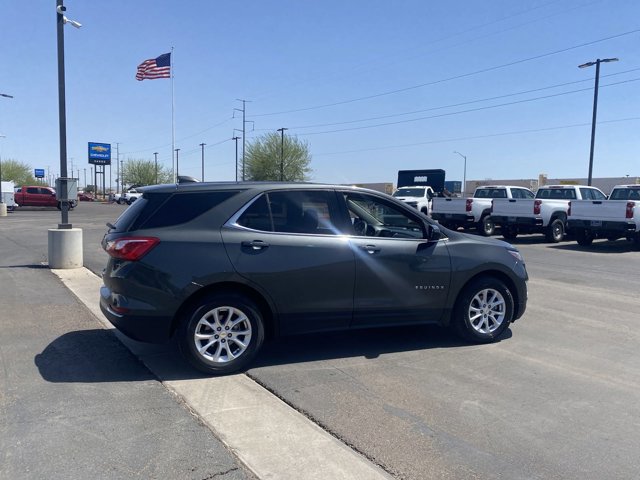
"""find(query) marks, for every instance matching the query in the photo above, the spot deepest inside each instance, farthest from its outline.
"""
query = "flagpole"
(173, 126)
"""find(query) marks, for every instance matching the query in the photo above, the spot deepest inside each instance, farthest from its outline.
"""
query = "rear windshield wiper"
(111, 226)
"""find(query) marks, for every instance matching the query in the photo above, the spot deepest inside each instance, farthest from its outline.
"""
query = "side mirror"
(433, 233)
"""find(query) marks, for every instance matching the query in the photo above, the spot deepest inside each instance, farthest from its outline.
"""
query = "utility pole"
(156, 155)
(118, 167)
(236, 140)
(244, 129)
(281, 130)
(85, 178)
(202, 145)
(595, 108)
(177, 164)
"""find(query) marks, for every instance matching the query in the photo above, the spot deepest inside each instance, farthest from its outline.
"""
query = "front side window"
(374, 217)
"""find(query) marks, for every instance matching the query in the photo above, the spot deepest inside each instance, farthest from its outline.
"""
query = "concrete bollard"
(3, 209)
(65, 248)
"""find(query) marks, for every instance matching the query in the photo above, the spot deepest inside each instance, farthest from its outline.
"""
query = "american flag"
(155, 68)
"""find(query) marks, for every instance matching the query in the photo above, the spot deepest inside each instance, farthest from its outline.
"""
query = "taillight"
(629, 212)
(536, 207)
(569, 211)
(131, 248)
(469, 202)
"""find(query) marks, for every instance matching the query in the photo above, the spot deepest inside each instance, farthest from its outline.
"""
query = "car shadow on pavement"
(93, 356)
(369, 344)
(90, 356)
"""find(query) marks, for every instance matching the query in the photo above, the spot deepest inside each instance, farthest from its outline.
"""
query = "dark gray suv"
(224, 265)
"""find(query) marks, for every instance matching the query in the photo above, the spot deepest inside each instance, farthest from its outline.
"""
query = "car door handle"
(371, 249)
(255, 244)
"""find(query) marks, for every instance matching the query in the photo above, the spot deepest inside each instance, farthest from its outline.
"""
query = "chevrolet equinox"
(224, 265)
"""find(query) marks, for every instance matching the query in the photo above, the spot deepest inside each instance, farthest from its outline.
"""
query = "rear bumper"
(140, 322)
(457, 218)
(529, 222)
(603, 227)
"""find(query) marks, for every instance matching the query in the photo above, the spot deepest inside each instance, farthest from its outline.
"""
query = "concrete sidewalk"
(75, 403)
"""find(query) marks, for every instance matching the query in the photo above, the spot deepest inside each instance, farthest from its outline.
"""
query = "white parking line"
(272, 439)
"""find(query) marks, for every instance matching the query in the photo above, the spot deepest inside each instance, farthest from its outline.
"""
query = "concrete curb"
(272, 439)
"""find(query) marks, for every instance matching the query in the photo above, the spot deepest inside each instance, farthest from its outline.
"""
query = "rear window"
(491, 193)
(140, 209)
(557, 193)
(626, 194)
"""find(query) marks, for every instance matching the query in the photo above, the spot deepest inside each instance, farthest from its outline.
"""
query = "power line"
(448, 79)
(475, 137)
(180, 139)
(447, 114)
(470, 102)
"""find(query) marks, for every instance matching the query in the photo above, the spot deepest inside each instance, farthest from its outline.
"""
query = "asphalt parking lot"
(557, 397)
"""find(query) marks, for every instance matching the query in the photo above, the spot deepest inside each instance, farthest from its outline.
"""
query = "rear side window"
(183, 207)
(302, 211)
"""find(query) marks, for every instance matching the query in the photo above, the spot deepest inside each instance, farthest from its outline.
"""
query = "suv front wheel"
(483, 310)
(222, 333)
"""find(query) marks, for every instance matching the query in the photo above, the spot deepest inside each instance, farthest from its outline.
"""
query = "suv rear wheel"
(222, 333)
(483, 310)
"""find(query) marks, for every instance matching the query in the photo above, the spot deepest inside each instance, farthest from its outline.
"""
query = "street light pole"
(202, 145)
(464, 175)
(62, 118)
(281, 130)
(595, 109)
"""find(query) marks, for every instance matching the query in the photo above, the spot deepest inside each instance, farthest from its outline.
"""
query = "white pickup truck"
(419, 197)
(130, 196)
(617, 217)
(547, 213)
(474, 212)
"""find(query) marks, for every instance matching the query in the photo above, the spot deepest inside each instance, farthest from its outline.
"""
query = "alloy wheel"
(222, 334)
(487, 310)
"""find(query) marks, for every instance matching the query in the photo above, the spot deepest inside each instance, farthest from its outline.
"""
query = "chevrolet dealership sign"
(100, 153)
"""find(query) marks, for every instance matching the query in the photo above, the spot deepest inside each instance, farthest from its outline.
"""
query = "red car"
(85, 197)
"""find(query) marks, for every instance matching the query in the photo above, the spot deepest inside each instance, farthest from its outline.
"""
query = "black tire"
(486, 227)
(490, 322)
(555, 231)
(636, 241)
(425, 211)
(584, 238)
(219, 358)
(509, 233)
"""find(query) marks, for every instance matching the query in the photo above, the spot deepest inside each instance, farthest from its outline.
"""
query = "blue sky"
(326, 71)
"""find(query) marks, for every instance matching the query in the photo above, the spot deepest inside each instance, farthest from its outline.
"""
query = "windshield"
(409, 192)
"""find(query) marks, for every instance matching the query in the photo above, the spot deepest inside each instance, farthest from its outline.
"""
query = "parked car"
(474, 212)
(546, 214)
(617, 217)
(39, 196)
(419, 197)
(85, 197)
(224, 265)
(131, 196)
